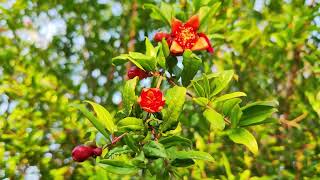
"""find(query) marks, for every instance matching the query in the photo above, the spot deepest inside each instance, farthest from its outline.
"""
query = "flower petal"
(175, 25)
(210, 48)
(193, 22)
(201, 44)
(160, 35)
(176, 48)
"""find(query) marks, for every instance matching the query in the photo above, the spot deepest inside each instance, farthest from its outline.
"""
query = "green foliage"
(55, 53)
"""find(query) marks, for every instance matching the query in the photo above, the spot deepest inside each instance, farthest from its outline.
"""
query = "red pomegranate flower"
(185, 36)
(151, 100)
(135, 71)
(82, 153)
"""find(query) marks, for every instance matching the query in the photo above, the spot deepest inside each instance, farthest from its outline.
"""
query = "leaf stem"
(159, 82)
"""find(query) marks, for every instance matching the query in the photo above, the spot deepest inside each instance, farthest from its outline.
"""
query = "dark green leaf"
(257, 112)
(129, 96)
(182, 162)
(191, 64)
(130, 141)
(175, 141)
(175, 98)
(154, 149)
(118, 166)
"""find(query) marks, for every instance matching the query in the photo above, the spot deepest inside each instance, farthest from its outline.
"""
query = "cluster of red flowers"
(183, 36)
(82, 153)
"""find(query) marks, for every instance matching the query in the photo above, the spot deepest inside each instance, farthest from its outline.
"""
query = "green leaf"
(198, 155)
(158, 14)
(175, 131)
(229, 104)
(119, 150)
(175, 141)
(243, 136)
(171, 63)
(216, 119)
(198, 89)
(130, 141)
(161, 58)
(118, 166)
(257, 112)
(150, 50)
(165, 47)
(191, 64)
(154, 149)
(104, 116)
(206, 14)
(206, 86)
(130, 124)
(95, 122)
(182, 162)
(202, 101)
(229, 96)
(123, 58)
(147, 62)
(235, 115)
(140, 160)
(220, 82)
(129, 96)
(227, 167)
(175, 98)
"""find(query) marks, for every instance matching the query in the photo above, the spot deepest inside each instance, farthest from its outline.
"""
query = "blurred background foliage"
(56, 52)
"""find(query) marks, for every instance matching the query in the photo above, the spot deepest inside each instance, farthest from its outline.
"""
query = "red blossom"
(82, 153)
(151, 100)
(135, 71)
(185, 36)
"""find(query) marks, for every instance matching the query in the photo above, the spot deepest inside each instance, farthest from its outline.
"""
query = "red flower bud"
(135, 71)
(151, 100)
(82, 153)
(97, 151)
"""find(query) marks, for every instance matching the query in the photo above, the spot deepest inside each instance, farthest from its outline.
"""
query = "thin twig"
(116, 139)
